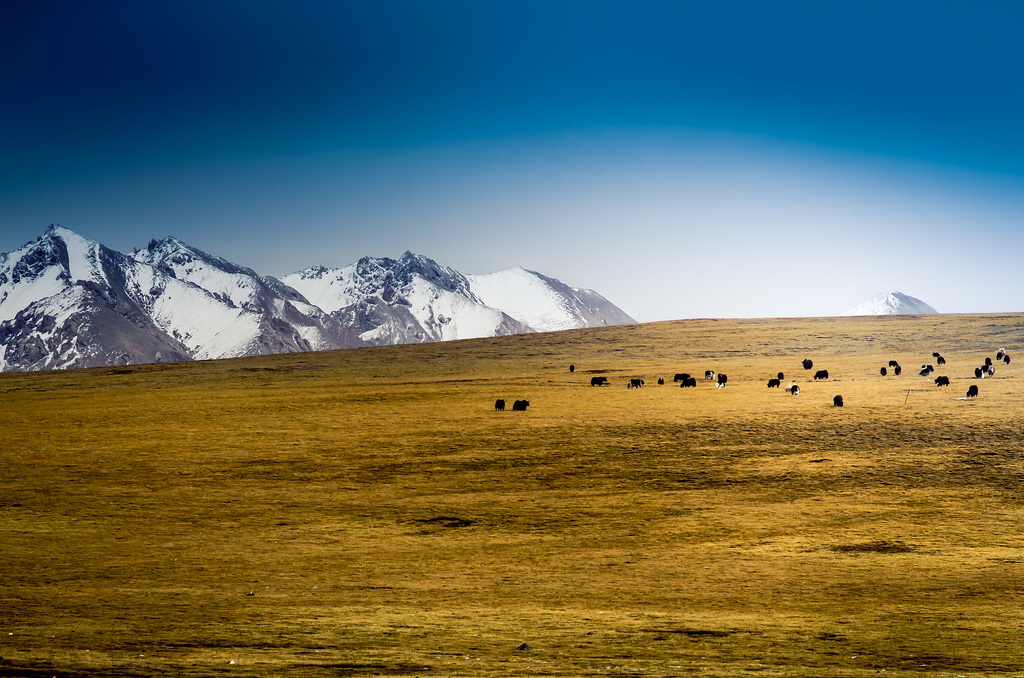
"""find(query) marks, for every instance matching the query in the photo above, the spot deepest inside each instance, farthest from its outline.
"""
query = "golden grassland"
(367, 512)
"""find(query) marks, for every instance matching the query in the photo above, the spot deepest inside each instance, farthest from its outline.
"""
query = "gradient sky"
(684, 159)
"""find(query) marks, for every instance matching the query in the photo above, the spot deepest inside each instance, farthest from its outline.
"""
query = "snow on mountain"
(409, 300)
(27, 276)
(268, 317)
(890, 303)
(64, 303)
(67, 301)
(209, 326)
(545, 304)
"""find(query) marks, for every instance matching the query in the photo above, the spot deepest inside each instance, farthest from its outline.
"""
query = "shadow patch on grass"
(447, 521)
(874, 547)
(691, 633)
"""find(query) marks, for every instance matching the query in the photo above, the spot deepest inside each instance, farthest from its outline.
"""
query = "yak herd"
(685, 380)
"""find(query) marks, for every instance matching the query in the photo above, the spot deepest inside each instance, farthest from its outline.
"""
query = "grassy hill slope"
(367, 512)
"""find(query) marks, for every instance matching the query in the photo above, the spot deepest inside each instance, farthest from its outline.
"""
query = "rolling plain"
(368, 512)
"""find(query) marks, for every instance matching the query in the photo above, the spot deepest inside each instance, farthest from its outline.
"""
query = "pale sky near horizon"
(684, 159)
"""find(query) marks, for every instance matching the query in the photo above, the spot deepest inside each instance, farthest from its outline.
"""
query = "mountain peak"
(167, 243)
(890, 303)
(184, 261)
(47, 265)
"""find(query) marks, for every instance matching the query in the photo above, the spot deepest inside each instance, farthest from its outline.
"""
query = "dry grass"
(367, 512)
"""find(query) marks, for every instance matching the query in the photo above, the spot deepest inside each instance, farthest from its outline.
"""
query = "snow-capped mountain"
(67, 301)
(409, 300)
(890, 303)
(271, 317)
(415, 299)
(545, 304)
(64, 303)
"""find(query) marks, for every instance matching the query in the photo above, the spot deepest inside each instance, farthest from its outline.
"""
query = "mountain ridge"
(67, 301)
(417, 300)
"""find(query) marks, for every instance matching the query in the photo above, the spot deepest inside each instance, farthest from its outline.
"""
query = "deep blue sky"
(682, 158)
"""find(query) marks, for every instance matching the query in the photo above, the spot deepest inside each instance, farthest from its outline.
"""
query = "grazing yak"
(689, 382)
(821, 374)
(721, 381)
(939, 360)
(972, 392)
(837, 401)
(1000, 353)
(897, 370)
(988, 362)
(635, 383)
(991, 370)
(709, 375)
(780, 376)
(680, 377)
(598, 381)
(773, 383)
(1006, 360)
(520, 405)
(979, 373)
(893, 363)
(942, 381)
(572, 368)
(794, 389)
(925, 370)
(499, 405)
(808, 364)
(661, 382)
(882, 372)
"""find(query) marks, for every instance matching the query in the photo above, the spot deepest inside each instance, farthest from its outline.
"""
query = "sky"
(683, 159)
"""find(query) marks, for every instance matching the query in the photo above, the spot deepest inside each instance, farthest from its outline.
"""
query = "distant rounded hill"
(890, 303)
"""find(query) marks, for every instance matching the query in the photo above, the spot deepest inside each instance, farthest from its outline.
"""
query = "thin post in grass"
(909, 391)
